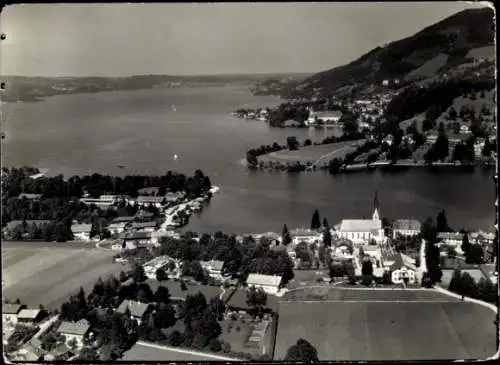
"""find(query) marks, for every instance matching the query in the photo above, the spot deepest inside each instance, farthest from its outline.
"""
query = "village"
(361, 253)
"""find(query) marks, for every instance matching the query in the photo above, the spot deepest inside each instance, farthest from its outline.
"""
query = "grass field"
(49, 275)
(312, 153)
(388, 330)
(141, 353)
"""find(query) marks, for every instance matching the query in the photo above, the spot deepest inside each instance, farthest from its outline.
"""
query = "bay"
(143, 129)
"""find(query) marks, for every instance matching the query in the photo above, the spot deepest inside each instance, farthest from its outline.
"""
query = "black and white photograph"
(296, 181)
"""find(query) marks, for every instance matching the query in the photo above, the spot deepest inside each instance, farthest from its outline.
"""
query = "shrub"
(215, 345)
(226, 347)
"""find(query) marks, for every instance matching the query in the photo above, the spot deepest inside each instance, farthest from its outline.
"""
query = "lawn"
(312, 153)
(49, 275)
(388, 331)
(361, 294)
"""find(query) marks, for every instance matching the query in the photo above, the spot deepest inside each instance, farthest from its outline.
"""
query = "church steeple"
(375, 207)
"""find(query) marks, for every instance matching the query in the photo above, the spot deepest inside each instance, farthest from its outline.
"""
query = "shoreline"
(387, 167)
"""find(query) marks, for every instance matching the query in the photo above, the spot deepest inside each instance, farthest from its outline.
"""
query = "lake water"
(142, 130)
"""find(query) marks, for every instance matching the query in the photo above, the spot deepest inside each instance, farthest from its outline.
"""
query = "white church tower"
(376, 216)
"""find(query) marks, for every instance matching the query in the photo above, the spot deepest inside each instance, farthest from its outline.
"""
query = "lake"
(142, 130)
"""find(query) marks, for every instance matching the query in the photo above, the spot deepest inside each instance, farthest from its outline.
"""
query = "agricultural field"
(139, 352)
(49, 273)
(378, 330)
(312, 153)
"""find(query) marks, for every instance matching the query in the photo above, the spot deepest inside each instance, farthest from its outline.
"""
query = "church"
(362, 230)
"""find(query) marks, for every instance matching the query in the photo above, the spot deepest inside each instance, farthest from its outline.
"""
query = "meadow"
(388, 330)
(50, 275)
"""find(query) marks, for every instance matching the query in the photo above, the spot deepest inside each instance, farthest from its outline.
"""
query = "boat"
(176, 157)
(174, 108)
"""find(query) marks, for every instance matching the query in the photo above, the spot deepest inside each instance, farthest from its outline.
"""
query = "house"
(29, 196)
(10, 312)
(401, 271)
(143, 226)
(478, 147)
(81, 231)
(453, 239)
(30, 352)
(74, 331)
(465, 129)
(269, 283)
(136, 309)
(406, 227)
(144, 216)
(29, 316)
(324, 118)
(134, 239)
(103, 201)
(151, 191)
(116, 228)
(304, 235)
(431, 138)
(214, 268)
(147, 200)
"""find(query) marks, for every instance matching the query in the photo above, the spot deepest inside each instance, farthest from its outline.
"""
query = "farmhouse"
(213, 267)
(74, 331)
(10, 312)
(146, 200)
(144, 216)
(136, 309)
(401, 271)
(81, 231)
(101, 202)
(29, 316)
(31, 352)
(269, 283)
(406, 227)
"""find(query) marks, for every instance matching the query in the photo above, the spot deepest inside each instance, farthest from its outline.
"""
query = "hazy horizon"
(122, 40)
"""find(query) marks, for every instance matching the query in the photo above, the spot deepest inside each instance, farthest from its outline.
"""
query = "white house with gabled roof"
(269, 283)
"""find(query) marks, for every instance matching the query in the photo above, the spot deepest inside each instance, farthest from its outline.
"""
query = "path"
(46, 325)
(185, 351)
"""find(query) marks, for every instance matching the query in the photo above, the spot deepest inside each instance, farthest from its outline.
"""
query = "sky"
(193, 39)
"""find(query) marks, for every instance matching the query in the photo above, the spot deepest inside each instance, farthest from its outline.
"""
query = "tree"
(138, 273)
(315, 221)
(455, 282)
(161, 275)
(325, 223)
(327, 238)
(183, 286)
(215, 345)
(442, 222)
(174, 338)
(162, 295)
(475, 255)
(427, 125)
(465, 244)
(336, 271)
(451, 253)
(286, 239)
(367, 268)
(302, 351)
(257, 299)
(307, 142)
(452, 113)
(292, 143)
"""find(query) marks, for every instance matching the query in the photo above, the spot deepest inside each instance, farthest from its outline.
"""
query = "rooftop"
(28, 313)
(8, 308)
(75, 328)
(137, 309)
(213, 264)
(259, 279)
(360, 225)
(407, 225)
(81, 228)
(123, 219)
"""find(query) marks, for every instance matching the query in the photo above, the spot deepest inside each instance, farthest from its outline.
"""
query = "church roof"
(360, 225)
